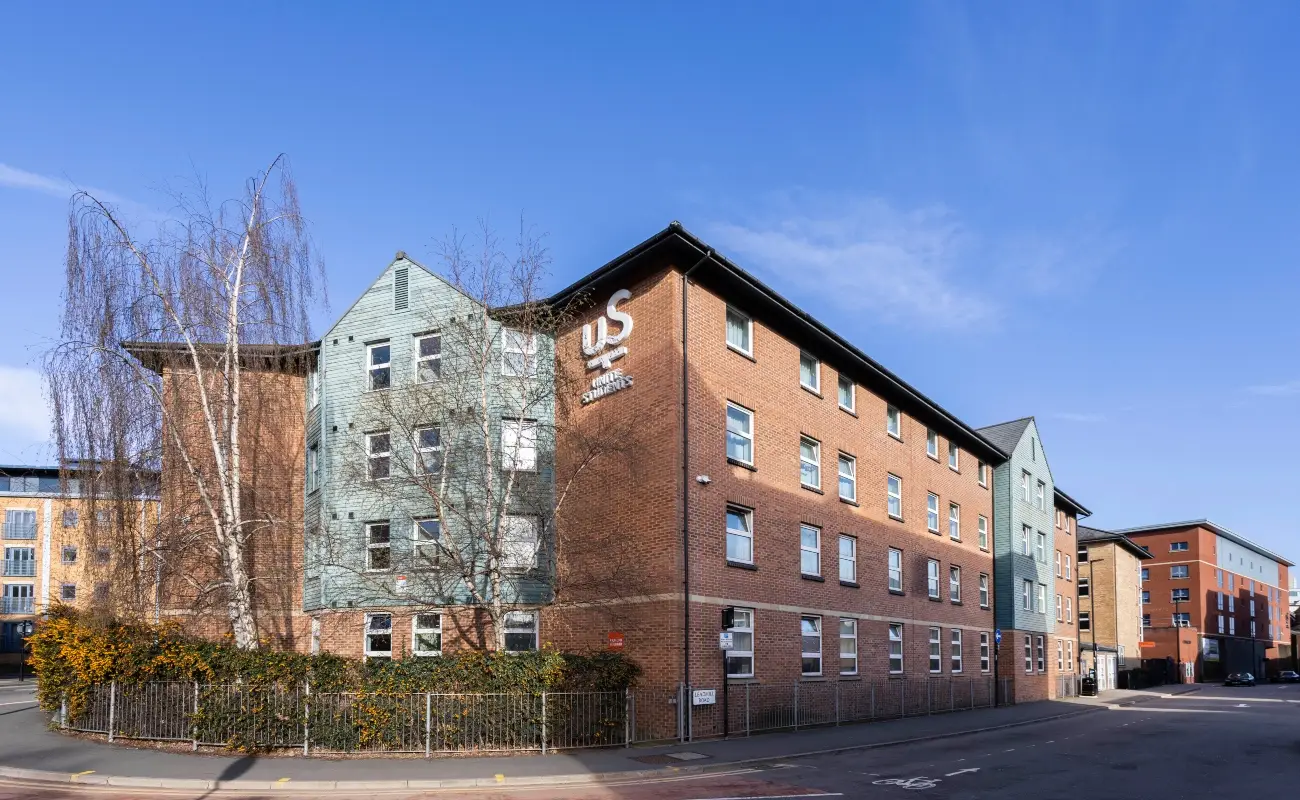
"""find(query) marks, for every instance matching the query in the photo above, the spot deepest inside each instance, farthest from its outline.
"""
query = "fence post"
(112, 707)
(306, 718)
(952, 693)
(194, 723)
(929, 697)
(428, 724)
(972, 694)
(837, 702)
(902, 698)
(627, 717)
(747, 722)
(796, 705)
(681, 721)
(63, 712)
(873, 700)
(543, 723)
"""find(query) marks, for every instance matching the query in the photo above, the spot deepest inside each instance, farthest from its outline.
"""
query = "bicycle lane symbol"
(909, 783)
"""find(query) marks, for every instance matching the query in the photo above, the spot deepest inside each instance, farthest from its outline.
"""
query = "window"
(519, 542)
(100, 593)
(379, 548)
(313, 388)
(521, 631)
(810, 373)
(1024, 540)
(848, 394)
(426, 533)
(1218, 577)
(740, 434)
(519, 444)
(932, 512)
(740, 659)
(70, 518)
(379, 370)
(953, 455)
(1069, 609)
(103, 555)
(1040, 547)
(954, 584)
(848, 647)
(313, 468)
(810, 633)
(810, 462)
(426, 634)
(1024, 485)
(982, 528)
(379, 636)
(1060, 608)
(1232, 603)
(848, 477)
(68, 592)
(1146, 598)
(894, 422)
(936, 650)
(1178, 547)
(1220, 600)
(1068, 576)
(1040, 599)
(1183, 620)
(932, 443)
(1084, 587)
(932, 578)
(1146, 622)
(984, 590)
(1058, 563)
(69, 554)
(848, 559)
(1182, 595)
(982, 472)
(1085, 621)
(1252, 629)
(895, 648)
(740, 535)
(984, 652)
(20, 523)
(428, 451)
(740, 331)
(1029, 655)
(895, 570)
(1069, 655)
(1082, 554)
(518, 354)
(1178, 571)
(1060, 654)
(1252, 607)
(1042, 655)
(810, 550)
(954, 522)
(1027, 595)
(428, 357)
(895, 491)
(1040, 494)
(379, 454)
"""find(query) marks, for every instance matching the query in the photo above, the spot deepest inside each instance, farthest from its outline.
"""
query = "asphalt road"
(1213, 744)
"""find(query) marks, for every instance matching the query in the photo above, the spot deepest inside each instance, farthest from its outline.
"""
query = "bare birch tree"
(157, 334)
(465, 472)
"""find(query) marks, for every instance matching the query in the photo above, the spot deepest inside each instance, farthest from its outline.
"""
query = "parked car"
(1240, 679)
(1286, 676)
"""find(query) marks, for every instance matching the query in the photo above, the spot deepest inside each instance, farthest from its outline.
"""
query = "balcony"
(19, 530)
(18, 605)
(23, 568)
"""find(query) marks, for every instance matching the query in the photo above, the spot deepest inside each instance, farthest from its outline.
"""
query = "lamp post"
(1178, 635)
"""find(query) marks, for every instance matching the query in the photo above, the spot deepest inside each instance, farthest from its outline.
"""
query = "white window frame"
(1232, 603)
(1220, 600)
(748, 347)
(1024, 485)
(954, 651)
(936, 651)
(982, 475)
(816, 386)
(852, 406)
(513, 625)
(1069, 655)
(521, 344)
(1060, 607)
(1029, 655)
(746, 533)
(984, 590)
(982, 526)
(932, 579)
(1058, 563)
(954, 522)
(747, 437)
(1041, 644)
(373, 367)
(425, 551)
(932, 512)
(1040, 496)
(1232, 624)
(1176, 569)
(67, 592)
(986, 660)
(804, 652)
(1178, 547)
(519, 444)
(375, 458)
(313, 388)
(932, 443)
(1027, 595)
(1069, 609)
(813, 463)
(954, 584)
(849, 633)
(1025, 550)
(313, 467)
(895, 572)
(1040, 599)
(1068, 568)
(954, 456)
(1083, 587)
(1183, 595)
(894, 422)
(421, 451)
(63, 554)
(520, 542)
(742, 626)
(894, 498)
(848, 561)
(850, 475)
(1085, 620)
(418, 630)
(895, 648)
(369, 630)
(1060, 655)
(805, 550)
(433, 361)
(1040, 547)
(372, 546)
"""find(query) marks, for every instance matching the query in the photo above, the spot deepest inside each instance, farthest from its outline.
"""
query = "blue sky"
(1085, 212)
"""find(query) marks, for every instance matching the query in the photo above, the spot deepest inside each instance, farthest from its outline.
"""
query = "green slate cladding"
(334, 566)
(1010, 513)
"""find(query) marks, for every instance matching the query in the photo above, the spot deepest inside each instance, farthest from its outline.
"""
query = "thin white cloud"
(15, 178)
(26, 418)
(1285, 389)
(867, 256)
(1077, 416)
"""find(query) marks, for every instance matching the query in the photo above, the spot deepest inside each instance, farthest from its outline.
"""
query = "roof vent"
(401, 288)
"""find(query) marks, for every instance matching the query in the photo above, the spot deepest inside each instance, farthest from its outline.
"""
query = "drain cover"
(686, 756)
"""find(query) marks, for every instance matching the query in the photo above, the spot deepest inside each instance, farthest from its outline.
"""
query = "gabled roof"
(1205, 523)
(676, 246)
(1087, 534)
(1063, 499)
(1006, 435)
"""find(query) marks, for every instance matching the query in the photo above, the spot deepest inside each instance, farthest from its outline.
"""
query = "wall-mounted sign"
(726, 640)
(401, 584)
(602, 348)
(1210, 649)
(704, 697)
(614, 640)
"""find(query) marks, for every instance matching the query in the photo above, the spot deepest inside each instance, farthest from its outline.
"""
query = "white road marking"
(905, 783)
(962, 771)
(1012, 750)
(1053, 741)
(774, 796)
(19, 703)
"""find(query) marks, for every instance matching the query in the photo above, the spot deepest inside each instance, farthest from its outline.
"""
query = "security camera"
(703, 480)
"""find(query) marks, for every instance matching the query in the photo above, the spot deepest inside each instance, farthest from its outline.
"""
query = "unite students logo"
(603, 348)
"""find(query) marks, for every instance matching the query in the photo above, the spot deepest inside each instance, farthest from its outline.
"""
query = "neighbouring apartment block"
(1213, 602)
(1063, 665)
(1110, 567)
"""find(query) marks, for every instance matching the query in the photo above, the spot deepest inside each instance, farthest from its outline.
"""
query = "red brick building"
(1214, 602)
(841, 519)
